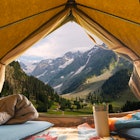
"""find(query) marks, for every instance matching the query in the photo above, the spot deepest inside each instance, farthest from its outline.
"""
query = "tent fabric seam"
(107, 13)
(2, 63)
(36, 14)
(94, 22)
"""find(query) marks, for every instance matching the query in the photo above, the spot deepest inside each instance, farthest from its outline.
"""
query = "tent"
(115, 22)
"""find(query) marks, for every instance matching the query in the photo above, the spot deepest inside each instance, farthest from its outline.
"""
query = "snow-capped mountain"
(28, 67)
(47, 69)
(88, 64)
(65, 74)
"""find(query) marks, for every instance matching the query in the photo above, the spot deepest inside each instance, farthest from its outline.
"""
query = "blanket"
(16, 109)
(128, 121)
(81, 132)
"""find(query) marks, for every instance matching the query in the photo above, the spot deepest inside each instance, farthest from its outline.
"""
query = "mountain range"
(67, 73)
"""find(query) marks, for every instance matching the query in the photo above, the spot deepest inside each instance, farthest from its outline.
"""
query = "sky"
(69, 37)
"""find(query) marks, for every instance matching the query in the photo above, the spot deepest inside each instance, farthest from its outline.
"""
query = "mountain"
(44, 97)
(28, 66)
(47, 69)
(88, 64)
(18, 82)
(67, 73)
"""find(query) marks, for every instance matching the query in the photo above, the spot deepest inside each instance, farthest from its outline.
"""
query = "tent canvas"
(116, 23)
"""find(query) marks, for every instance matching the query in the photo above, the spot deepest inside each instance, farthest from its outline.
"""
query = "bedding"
(131, 120)
(81, 132)
(21, 131)
(127, 126)
(130, 133)
(16, 109)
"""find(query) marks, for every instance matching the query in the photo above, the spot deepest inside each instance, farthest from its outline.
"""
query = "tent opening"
(25, 23)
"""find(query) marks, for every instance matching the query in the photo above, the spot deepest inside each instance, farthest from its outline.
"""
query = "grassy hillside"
(90, 85)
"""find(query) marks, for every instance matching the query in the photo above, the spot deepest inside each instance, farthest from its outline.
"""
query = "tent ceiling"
(20, 18)
(24, 22)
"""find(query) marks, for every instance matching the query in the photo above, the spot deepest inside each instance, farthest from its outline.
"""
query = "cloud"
(70, 37)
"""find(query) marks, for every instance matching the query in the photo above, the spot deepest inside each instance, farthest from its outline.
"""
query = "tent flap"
(134, 81)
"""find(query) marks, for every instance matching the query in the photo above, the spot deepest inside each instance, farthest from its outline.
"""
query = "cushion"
(20, 131)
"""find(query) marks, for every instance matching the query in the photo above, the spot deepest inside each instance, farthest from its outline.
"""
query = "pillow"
(130, 133)
(4, 117)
